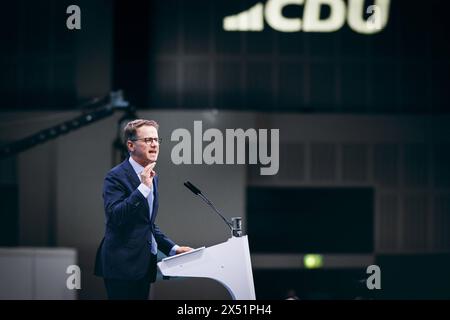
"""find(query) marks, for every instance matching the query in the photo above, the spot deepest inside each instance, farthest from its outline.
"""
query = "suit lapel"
(133, 178)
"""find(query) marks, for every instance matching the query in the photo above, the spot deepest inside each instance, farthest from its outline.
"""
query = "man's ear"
(130, 146)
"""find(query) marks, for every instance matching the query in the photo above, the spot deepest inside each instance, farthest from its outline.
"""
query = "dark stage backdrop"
(310, 220)
(176, 54)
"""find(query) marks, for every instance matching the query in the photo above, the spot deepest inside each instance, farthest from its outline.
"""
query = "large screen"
(310, 220)
(284, 55)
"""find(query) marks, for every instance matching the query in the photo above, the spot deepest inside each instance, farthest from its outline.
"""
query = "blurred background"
(364, 122)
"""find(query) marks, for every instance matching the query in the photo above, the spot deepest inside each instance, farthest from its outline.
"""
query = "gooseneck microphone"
(197, 192)
(193, 188)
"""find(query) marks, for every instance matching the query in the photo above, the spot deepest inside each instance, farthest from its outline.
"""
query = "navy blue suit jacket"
(124, 252)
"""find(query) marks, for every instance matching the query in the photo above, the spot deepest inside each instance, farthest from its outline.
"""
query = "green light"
(312, 261)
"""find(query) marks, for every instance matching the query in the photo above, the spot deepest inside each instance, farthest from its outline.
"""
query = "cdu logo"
(313, 21)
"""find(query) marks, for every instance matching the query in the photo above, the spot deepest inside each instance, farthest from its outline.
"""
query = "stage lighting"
(313, 261)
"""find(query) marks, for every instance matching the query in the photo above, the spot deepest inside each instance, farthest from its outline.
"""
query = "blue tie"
(154, 248)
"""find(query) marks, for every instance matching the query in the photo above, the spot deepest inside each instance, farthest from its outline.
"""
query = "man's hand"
(147, 174)
(183, 249)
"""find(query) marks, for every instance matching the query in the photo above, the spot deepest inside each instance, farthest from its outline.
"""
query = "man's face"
(143, 152)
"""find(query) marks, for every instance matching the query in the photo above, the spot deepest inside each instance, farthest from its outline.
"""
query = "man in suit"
(126, 258)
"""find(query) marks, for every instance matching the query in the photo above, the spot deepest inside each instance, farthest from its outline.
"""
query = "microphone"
(197, 192)
(193, 188)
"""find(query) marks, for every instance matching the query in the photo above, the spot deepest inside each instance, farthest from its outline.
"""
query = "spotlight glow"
(313, 261)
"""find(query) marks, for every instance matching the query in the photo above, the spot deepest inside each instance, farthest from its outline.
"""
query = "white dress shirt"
(148, 194)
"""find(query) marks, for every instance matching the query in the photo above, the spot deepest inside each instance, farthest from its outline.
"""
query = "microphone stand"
(236, 222)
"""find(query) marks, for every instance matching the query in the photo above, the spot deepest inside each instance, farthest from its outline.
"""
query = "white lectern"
(228, 262)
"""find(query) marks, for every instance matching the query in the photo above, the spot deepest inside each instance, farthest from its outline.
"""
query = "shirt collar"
(136, 166)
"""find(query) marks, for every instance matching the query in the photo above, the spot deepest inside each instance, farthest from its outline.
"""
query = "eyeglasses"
(150, 140)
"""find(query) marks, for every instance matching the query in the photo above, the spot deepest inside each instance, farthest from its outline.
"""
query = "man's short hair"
(129, 132)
